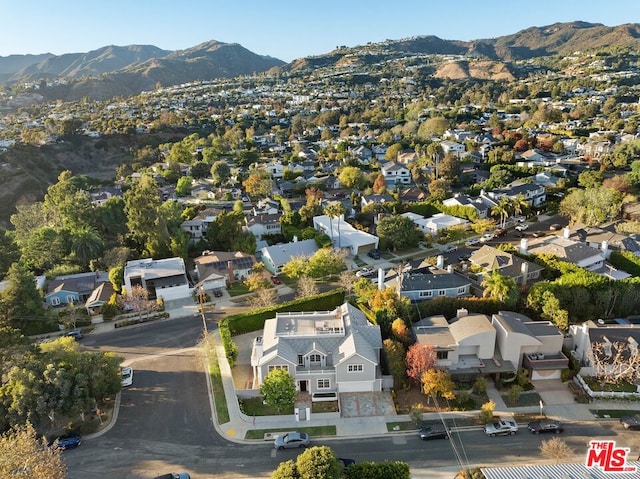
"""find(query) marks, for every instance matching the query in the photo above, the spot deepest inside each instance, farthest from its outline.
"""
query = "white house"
(394, 173)
(276, 256)
(435, 223)
(344, 235)
(324, 351)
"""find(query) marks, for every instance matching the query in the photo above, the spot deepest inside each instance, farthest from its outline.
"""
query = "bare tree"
(307, 287)
(556, 449)
(614, 362)
(347, 280)
(264, 297)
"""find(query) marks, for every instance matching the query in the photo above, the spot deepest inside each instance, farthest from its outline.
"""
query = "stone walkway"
(367, 404)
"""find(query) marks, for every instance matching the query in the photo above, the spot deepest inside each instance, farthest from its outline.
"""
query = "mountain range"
(128, 70)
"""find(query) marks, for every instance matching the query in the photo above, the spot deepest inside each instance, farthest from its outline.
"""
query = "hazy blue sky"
(283, 29)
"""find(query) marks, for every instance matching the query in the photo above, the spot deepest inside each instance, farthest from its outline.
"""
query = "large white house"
(344, 235)
(324, 351)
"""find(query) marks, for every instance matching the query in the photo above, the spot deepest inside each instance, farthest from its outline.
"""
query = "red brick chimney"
(232, 277)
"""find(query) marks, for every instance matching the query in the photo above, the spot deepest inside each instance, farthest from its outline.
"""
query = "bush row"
(380, 470)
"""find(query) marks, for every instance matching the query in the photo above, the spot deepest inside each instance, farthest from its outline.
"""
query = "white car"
(500, 428)
(522, 226)
(472, 242)
(365, 272)
(486, 237)
(127, 376)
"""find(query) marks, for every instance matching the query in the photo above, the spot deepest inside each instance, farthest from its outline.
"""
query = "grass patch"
(237, 288)
(324, 406)
(315, 431)
(526, 399)
(220, 400)
(615, 413)
(596, 385)
(401, 426)
(528, 417)
(255, 407)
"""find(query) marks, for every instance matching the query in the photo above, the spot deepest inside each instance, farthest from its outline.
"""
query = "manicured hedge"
(626, 261)
(230, 347)
(254, 320)
(378, 470)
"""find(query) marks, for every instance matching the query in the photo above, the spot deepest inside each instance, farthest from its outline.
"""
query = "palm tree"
(435, 154)
(497, 286)
(334, 210)
(502, 209)
(519, 204)
(86, 244)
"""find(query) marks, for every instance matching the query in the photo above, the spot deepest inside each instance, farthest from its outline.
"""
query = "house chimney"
(605, 249)
(524, 245)
(440, 261)
(461, 313)
(380, 278)
(524, 269)
(232, 277)
(566, 232)
(450, 269)
(295, 238)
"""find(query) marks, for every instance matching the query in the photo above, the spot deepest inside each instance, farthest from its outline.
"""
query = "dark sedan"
(538, 427)
(429, 432)
(631, 422)
(68, 441)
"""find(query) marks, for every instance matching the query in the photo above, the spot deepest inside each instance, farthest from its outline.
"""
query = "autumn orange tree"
(420, 358)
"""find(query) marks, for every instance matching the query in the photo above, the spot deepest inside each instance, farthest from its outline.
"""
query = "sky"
(285, 29)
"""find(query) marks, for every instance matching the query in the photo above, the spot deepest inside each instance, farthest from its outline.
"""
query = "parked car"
(127, 376)
(500, 428)
(631, 422)
(365, 272)
(555, 227)
(428, 432)
(75, 334)
(520, 219)
(374, 253)
(292, 440)
(276, 280)
(538, 234)
(500, 232)
(522, 227)
(217, 293)
(472, 242)
(545, 425)
(463, 257)
(486, 237)
(174, 475)
(451, 248)
(66, 441)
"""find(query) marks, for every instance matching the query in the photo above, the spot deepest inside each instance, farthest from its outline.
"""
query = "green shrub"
(378, 470)
(230, 348)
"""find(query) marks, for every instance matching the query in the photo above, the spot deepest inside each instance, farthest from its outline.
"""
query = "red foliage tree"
(521, 145)
(420, 358)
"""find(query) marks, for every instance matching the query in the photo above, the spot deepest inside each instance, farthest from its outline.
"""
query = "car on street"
(374, 254)
(451, 248)
(486, 237)
(218, 293)
(127, 376)
(75, 334)
(500, 232)
(66, 441)
(545, 426)
(631, 422)
(522, 227)
(500, 428)
(276, 280)
(463, 257)
(292, 440)
(428, 432)
(365, 272)
(174, 475)
(555, 227)
(520, 219)
(538, 234)
(472, 242)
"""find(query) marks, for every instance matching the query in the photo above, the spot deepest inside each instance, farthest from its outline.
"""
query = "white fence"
(607, 394)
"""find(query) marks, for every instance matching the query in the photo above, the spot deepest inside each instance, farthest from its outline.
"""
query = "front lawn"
(596, 385)
(527, 398)
(237, 288)
(255, 407)
(316, 431)
(324, 406)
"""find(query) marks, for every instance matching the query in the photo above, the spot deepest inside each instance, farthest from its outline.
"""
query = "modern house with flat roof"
(162, 278)
(344, 235)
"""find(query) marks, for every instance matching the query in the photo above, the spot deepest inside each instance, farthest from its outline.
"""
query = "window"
(315, 359)
(300, 360)
(462, 289)
(354, 368)
(426, 294)
(442, 292)
(55, 301)
(442, 354)
(323, 384)
(284, 367)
